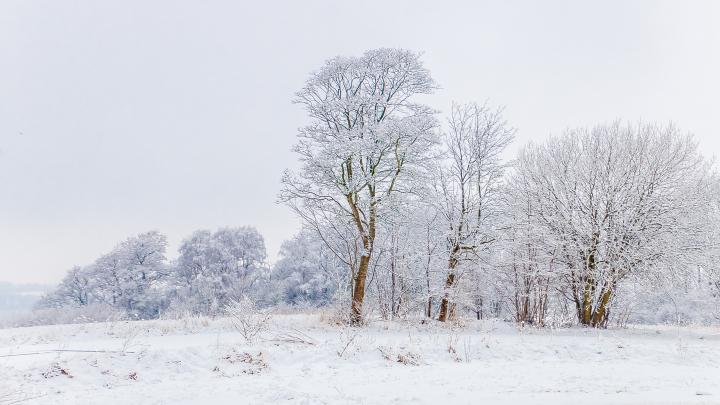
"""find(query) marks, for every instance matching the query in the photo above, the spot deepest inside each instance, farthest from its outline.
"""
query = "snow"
(203, 361)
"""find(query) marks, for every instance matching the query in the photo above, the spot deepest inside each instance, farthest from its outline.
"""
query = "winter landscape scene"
(378, 202)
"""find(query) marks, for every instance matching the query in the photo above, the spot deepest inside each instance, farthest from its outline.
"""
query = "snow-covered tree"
(366, 137)
(74, 290)
(614, 201)
(128, 277)
(466, 187)
(524, 262)
(307, 272)
(216, 267)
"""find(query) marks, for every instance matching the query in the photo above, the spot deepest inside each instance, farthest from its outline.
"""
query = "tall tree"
(366, 135)
(467, 185)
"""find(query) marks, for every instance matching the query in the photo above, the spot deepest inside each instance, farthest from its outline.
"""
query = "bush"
(248, 319)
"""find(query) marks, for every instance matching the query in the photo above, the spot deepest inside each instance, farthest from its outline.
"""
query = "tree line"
(212, 270)
(395, 192)
(410, 212)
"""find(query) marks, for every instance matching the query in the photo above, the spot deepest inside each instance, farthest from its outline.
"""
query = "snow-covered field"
(303, 359)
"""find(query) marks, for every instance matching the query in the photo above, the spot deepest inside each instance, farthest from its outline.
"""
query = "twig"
(63, 350)
(293, 336)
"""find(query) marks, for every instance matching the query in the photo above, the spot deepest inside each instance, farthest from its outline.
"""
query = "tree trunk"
(445, 303)
(428, 310)
(356, 312)
(359, 291)
(445, 307)
(393, 282)
(587, 302)
(595, 311)
(584, 303)
(599, 318)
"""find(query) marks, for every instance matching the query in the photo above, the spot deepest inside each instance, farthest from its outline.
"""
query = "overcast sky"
(118, 117)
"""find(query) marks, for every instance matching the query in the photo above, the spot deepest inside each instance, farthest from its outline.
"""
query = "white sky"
(125, 116)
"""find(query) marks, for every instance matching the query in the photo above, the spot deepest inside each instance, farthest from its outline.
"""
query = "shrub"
(248, 319)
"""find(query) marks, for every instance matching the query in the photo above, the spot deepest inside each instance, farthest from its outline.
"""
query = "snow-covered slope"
(307, 361)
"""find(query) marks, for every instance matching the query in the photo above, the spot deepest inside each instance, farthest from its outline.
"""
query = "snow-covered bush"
(248, 319)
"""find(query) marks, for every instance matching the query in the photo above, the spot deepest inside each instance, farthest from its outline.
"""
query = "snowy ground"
(200, 361)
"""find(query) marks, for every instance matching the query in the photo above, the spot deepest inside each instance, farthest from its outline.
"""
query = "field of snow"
(305, 360)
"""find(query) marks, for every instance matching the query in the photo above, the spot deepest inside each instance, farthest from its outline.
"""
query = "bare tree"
(74, 290)
(525, 262)
(367, 134)
(617, 200)
(467, 185)
(214, 268)
(128, 277)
